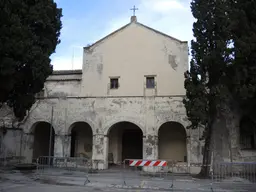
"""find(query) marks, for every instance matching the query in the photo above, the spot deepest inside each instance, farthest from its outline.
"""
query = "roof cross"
(134, 9)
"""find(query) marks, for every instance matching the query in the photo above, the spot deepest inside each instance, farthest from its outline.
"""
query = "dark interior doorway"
(125, 142)
(73, 143)
(43, 131)
(132, 144)
(81, 140)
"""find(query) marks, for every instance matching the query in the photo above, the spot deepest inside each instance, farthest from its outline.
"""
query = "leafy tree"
(243, 70)
(29, 34)
(205, 83)
(223, 66)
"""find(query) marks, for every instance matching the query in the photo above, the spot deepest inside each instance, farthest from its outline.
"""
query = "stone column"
(150, 150)
(27, 146)
(194, 150)
(62, 144)
(189, 148)
(100, 151)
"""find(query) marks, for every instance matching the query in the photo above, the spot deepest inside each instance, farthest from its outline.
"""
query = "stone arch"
(81, 139)
(110, 124)
(72, 123)
(44, 139)
(247, 133)
(125, 141)
(172, 142)
(29, 126)
(182, 121)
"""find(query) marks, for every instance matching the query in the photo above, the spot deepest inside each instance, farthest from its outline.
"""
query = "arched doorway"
(172, 145)
(125, 142)
(44, 137)
(81, 140)
(247, 133)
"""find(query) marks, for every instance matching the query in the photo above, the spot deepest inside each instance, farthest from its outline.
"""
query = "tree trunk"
(205, 168)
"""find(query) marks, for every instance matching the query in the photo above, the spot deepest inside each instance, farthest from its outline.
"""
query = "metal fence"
(159, 174)
(57, 166)
(163, 174)
(142, 173)
(235, 171)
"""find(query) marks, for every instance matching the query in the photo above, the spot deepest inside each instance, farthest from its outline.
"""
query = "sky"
(86, 21)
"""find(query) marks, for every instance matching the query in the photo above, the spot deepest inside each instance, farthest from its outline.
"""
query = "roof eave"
(161, 33)
(106, 37)
(116, 31)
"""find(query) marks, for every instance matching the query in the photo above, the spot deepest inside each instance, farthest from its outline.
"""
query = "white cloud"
(72, 61)
(172, 17)
(163, 6)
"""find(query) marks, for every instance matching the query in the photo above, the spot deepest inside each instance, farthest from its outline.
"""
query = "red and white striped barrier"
(147, 163)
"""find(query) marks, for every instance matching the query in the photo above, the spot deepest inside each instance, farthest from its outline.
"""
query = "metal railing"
(244, 172)
(142, 173)
(56, 166)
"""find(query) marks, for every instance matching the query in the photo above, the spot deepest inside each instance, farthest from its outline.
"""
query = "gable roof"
(125, 26)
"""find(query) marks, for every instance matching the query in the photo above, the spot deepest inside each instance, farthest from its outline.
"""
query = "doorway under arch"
(81, 140)
(172, 145)
(44, 137)
(125, 142)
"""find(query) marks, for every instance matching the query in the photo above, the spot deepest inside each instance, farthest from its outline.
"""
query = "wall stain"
(172, 61)
(149, 150)
(100, 68)
(151, 140)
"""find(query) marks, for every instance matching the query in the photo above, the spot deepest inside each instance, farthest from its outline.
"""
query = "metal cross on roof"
(134, 9)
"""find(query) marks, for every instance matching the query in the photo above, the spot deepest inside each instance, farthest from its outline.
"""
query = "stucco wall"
(62, 88)
(130, 54)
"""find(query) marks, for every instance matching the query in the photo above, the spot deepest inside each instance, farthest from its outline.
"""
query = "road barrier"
(143, 168)
(147, 163)
(56, 166)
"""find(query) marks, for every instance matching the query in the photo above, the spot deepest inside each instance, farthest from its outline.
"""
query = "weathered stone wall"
(10, 136)
(226, 141)
(148, 113)
(62, 88)
(10, 143)
(63, 84)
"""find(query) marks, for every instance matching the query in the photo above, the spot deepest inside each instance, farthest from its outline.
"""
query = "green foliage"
(204, 83)
(243, 70)
(29, 31)
(223, 65)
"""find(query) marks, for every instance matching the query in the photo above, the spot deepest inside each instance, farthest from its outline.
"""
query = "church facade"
(125, 103)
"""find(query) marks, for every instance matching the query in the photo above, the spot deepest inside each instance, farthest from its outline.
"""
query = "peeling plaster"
(149, 150)
(100, 65)
(151, 140)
